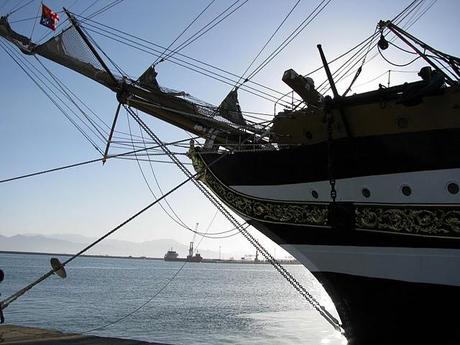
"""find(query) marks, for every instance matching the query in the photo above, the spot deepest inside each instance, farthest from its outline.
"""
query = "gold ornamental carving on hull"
(443, 221)
(261, 209)
(419, 220)
(267, 210)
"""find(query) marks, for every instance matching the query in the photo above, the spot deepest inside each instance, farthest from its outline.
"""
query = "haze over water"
(203, 304)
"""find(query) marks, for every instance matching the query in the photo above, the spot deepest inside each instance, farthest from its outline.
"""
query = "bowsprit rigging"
(223, 124)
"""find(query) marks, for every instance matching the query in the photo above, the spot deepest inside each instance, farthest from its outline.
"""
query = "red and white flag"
(49, 18)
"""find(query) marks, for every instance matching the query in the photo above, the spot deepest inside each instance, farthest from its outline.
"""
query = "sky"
(91, 200)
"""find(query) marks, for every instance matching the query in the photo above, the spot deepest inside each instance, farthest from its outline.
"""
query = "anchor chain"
(289, 278)
(330, 156)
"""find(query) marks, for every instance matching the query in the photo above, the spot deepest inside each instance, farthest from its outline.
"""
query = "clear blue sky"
(90, 200)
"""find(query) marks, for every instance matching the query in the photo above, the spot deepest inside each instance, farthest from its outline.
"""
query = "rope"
(310, 299)
(395, 64)
(63, 89)
(42, 88)
(177, 220)
(170, 280)
(266, 43)
(59, 86)
(35, 22)
(198, 34)
(19, 8)
(97, 12)
(74, 165)
(318, 9)
(183, 31)
(145, 46)
(7, 301)
(141, 306)
(398, 18)
(106, 8)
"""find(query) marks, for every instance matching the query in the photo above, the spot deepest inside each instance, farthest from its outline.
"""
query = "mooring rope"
(7, 301)
(285, 273)
(158, 292)
(190, 177)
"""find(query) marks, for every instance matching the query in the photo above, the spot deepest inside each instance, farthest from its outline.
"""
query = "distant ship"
(172, 255)
(193, 258)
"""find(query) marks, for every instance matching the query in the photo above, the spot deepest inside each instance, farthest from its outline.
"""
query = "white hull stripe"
(425, 187)
(420, 265)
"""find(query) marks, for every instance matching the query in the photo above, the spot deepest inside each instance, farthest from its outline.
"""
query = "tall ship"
(362, 189)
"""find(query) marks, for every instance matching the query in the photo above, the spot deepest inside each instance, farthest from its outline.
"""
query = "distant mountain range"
(70, 244)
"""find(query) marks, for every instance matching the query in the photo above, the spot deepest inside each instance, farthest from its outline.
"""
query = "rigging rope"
(190, 177)
(183, 32)
(199, 33)
(7, 301)
(106, 8)
(195, 68)
(169, 281)
(19, 7)
(177, 220)
(35, 22)
(309, 298)
(99, 132)
(395, 64)
(398, 18)
(412, 8)
(97, 12)
(266, 43)
(62, 88)
(42, 88)
(318, 9)
(240, 227)
(146, 47)
(79, 164)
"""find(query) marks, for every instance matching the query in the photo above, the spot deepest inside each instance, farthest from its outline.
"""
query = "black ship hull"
(389, 257)
(383, 294)
(383, 311)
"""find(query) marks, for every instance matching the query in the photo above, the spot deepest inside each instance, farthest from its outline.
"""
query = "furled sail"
(230, 108)
(148, 79)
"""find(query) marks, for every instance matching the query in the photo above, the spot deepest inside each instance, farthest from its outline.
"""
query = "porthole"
(314, 194)
(406, 190)
(402, 122)
(453, 188)
(366, 192)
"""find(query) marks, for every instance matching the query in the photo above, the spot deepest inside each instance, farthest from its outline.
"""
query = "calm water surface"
(203, 304)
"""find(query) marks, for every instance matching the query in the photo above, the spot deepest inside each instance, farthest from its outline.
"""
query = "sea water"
(168, 302)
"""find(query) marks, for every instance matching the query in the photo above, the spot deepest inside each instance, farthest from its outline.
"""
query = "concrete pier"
(10, 334)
